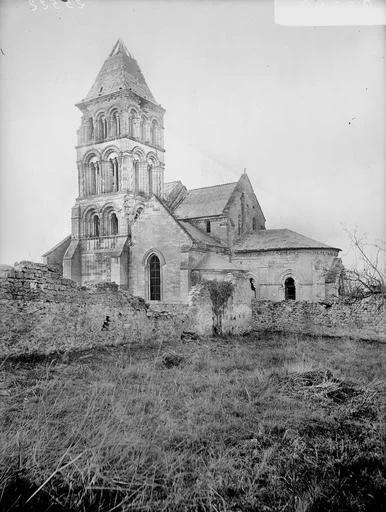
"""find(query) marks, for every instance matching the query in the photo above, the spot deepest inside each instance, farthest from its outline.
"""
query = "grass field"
(264, 423)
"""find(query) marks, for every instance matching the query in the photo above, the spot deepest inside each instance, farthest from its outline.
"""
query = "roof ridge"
(212, 186)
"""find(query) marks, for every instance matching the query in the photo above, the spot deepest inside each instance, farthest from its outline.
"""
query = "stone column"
(126, 174)
(147, 131)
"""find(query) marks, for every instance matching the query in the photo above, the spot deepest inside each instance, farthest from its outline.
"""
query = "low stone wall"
(40, 312)
(360, 319)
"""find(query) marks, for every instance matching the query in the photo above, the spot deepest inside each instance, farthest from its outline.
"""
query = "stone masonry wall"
(360, 319)
(41, 312)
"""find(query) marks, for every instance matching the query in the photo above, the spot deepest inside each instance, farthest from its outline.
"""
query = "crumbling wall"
(359, 319)
(41, 312)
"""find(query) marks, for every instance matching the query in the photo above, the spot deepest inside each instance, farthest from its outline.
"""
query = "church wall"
(251, 210)
(270, 269)
(218, 227)
(155, 229)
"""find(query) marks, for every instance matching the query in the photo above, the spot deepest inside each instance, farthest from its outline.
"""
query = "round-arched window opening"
(96, 225)
(113, 224)
(290, 289)
(154, 278)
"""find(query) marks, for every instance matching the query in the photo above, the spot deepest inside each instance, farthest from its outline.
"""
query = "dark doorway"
(290, 289)
(155, 278)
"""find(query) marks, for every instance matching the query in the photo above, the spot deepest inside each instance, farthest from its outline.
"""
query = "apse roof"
(120, 71)
(277, 239)
(205, 202)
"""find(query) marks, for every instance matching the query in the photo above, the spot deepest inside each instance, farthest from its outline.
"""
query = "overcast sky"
(301, 108)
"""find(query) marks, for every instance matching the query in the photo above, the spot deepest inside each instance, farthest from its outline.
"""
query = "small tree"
(220, 292)
(366, 276)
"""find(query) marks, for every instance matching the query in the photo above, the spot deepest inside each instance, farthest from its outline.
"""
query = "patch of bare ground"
(267, 423)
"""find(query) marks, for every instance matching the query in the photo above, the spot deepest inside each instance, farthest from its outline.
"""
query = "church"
(158, 239)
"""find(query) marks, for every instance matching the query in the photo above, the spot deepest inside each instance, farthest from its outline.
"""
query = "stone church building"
(158, 239)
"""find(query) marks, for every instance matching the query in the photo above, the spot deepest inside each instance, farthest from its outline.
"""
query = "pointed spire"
(119, 47)
(120, 71)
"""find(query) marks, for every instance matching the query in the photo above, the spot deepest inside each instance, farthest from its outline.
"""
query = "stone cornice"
(83, 104)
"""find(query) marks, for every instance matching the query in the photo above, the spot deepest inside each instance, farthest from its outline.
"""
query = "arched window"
(113, 224)
(143, 128)
(92, 185)
(115, 124)
(208, 226)
(102, 127)
(154, 278)
(254, 223)
(132, 123)
(113, 177)
(136, 175)
(150, 177)
(154, 133)
(290, 289)
(95, 226)
(92, 176)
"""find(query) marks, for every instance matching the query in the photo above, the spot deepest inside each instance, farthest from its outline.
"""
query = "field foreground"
(265, 423)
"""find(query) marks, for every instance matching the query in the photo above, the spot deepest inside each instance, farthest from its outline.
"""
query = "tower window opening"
(96, 226)
(93, 176)
(136, 176)
(150, 178)
(116, 126)
(254, 223)
(154, 278)
(208, 226)
(239, 224)
(113, 224)
(290, 289)
(102, 127)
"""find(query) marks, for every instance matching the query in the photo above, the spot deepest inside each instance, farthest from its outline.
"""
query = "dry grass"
(249, 424)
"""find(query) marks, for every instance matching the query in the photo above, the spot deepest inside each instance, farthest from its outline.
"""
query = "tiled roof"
(174, 193)
(120, 71)
(199, 236)
(169, 186)
(205, 202)
(277, 239)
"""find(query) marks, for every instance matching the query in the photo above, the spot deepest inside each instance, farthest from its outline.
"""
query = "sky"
(301, 108)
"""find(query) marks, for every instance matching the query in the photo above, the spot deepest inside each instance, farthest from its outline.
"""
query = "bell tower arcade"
(120, 160)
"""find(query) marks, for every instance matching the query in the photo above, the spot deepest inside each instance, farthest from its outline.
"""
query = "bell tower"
(120, 160)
